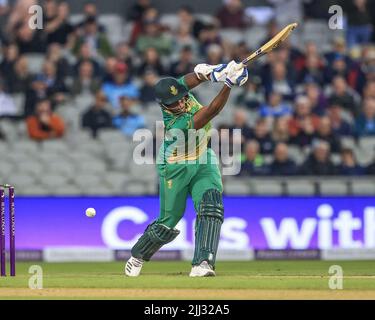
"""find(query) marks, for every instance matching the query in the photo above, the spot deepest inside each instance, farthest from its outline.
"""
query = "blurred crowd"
(301, 97)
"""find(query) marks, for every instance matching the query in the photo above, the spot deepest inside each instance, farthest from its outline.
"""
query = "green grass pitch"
(169, 280)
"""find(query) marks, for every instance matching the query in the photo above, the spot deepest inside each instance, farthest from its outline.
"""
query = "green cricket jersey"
(170, 151)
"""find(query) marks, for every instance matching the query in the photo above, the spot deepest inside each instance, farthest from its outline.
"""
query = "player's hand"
(215, 73)
(237, 74)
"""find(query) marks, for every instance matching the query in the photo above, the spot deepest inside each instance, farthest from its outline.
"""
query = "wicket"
(12, 247)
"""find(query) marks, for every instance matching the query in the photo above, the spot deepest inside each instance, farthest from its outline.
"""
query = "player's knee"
(212, 204)
(160, 233)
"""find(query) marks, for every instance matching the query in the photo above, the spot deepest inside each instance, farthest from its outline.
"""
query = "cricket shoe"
(133, 267)
(203, 270)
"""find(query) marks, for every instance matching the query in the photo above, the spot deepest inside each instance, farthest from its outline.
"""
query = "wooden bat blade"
(273, 43)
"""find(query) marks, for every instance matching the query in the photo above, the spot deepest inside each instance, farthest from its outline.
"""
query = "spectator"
(128, 121)
(29, 40)
(138, 9)
(19, 15)
(19, 79)
(262, 134)
(275, 107)
(184, 64)
(280, 132)
(282, 165)
(338, 68)
(208, 36)
(317, 99)
(124, 54)
(240, 122)
(252, 95)
(7, 105)
(359, 22)
(365, 124)
(313, 70)
(303, 125)
(85, 54)
(147, 92)
(253, 165)
(232, 15)
(96, 40)
(186, 18)
(97, 117)
(215, 54)
(183, 39)
(44, 124)
(152, 62)
(45, 85)
(340, 126)
(371, 169)
(86, 83)
(324, 133)
(369, 90)
(55, 55)
(121, 85)
(153, 37)
(11, 54)
(56, 24)
(343, 95)
(280, 82)
(319, 163)
(349, 166)
(90, 10)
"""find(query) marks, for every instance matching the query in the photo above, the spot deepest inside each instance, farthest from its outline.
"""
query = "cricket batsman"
(182, 171)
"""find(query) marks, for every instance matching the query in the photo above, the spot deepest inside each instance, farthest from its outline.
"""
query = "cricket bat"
(272, 44)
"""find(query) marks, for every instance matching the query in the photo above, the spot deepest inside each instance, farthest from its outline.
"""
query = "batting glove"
(215, 73)
(237, 74)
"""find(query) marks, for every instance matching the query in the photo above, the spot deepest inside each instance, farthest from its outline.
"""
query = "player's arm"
(191, 80)
(206, 114)
(237, 75)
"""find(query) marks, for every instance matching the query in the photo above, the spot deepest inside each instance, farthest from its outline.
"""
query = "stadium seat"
(236, 186)
(170, 20)
(34, 190)
(21, 180)
(19, 102)
(300, 187)
(363, 187)
(111, 136)
(84, 181)
(254, 36)
(266, 187)
(49, 157)
(135, 188)
(51, 181)
(27, 146)
(6, 169)
(30, 167)
(367, 143)
(66, 190)
(56, 146)
(91, 167)
(35, 62)
(348, 142)
(117, 180)
(99, 190)
(334, 187)
(114, 27)
(62, 167)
